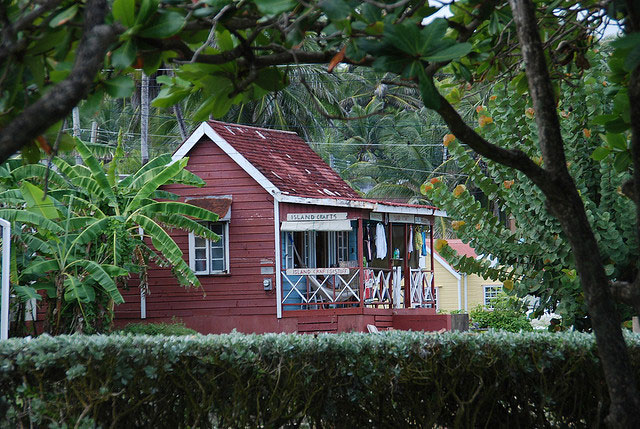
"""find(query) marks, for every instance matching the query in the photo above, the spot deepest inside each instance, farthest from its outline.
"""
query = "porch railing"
(383, 288)
(421, 292)
(309, 291)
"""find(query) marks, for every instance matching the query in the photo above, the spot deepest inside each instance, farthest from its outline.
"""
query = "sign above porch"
(316, 271)
(316, 216)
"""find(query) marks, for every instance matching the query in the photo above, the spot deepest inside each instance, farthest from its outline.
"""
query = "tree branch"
(540, 89)
(510, 157)
(59, 100)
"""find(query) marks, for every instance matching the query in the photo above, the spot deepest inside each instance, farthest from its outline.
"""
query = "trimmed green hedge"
(394, 379)
(166, 329)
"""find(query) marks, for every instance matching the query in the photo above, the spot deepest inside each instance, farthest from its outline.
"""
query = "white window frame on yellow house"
(489, 293)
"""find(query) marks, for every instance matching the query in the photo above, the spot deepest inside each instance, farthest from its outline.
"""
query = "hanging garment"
(410, 251)
(381, 242)
(367, 243)
(424, 243)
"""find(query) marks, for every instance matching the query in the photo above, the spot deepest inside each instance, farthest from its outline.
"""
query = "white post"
(276, 227)
(75, 114)
(144, 119)
(6, 249)
(143, 295)
(94, 132)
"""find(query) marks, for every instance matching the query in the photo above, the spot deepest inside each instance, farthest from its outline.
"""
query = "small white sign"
(315, 216)
(376, 216)
(400, 218)
(422, 220)
(316, 271)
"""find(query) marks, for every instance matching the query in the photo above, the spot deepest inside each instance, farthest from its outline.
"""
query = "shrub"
(508, 314)
(392, 379)
(166, 329)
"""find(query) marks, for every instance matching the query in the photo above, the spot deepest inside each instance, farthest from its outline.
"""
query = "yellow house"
(459, 291)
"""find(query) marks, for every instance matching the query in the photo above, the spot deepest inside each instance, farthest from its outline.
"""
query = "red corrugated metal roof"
(286, 160)
(463, 249)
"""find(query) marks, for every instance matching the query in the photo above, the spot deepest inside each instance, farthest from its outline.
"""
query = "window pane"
(201, 254)
(217, 228)
(217, 265)
(217, 252)
(201, 265)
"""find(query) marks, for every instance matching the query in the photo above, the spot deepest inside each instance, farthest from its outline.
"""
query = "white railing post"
(6, 249)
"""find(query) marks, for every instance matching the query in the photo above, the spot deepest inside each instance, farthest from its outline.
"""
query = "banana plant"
(94, 228)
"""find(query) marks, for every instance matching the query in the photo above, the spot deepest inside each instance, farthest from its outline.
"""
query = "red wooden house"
(300, 251)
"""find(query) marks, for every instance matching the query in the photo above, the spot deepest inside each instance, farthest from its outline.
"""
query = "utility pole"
(144, 119)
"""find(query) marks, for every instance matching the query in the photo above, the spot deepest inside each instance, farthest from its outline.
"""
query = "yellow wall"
(447, 286)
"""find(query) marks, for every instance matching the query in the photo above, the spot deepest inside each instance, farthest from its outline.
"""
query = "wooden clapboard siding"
(238, 296)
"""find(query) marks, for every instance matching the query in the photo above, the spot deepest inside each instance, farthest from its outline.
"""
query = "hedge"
(394, 379)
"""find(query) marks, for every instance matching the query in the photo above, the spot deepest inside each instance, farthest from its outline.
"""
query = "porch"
(342, 271)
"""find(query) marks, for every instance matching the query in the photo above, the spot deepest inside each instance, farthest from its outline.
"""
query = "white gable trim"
(205, 130)
(445, 264)
(376, 206)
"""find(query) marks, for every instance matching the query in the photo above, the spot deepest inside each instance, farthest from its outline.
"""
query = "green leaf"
(150, 187)
(22, 216)
(184, 209)
(120, 87)
(164, 24)
(451, 53)
(600, 153)
(166, 246)
(77, 290)
(124, 56)
(37, 202)
(124, 11)
(428, 91)
(405, 37)
(100, 276)
(336, 10)
(274, 7)
(616, 141)
(26, 293)
(147, 9)
(98, 173)
(633, 58)
(64, 16)
(622, 161)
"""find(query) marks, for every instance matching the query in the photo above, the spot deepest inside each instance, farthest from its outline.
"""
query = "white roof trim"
(323, 225)
(205, 129)
(376, 206)
(445, 264)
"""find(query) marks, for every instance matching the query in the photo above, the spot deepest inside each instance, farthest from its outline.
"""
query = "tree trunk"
(565, 203)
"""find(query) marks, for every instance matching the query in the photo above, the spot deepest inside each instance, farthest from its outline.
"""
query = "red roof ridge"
(253, 127)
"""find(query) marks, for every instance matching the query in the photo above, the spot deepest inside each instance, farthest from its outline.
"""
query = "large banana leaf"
(12, 197)
(91, 231)
(78, 290)
(35, 244)
(30, 171)
(100, 276)
(187, 224)
(90, 187)
(97, 172)
(23, 216)
(174, 207)
(151, 186)
(159, 161)
(65, 168)
(166, 246)
(37, 202)
(41, 267)
(165, 195)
